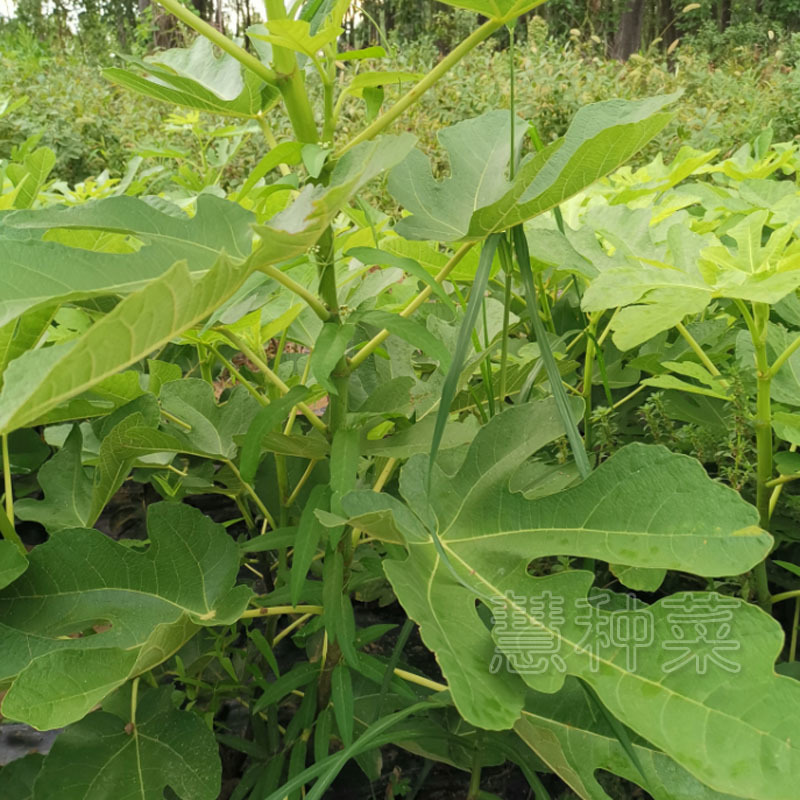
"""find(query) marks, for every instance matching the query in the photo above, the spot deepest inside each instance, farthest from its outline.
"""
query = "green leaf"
(787, 426)
(674, 272)
(296, 35)
(166, 748)
(161, 372)
(212, 426)
(306, 541)
(30, 176)
(312, 446)
(671, 382)
(46, 272)
(465, 331)
(345, 455)
(417, 439)
(264, 422)
(565, 408)
(410, 331)
(42, 379)
(371, 255)
(503, 10)
(785, 385)
(565, 733)
(153, 602)
(104, 398)
(12, 563)
(640, 579)
(342, 696)
(284, 153)
(298, 228)
(331, 345)
(375, 51)
(21, 334)
(433, 259)
(114, 463)
(372, 80)
(478, 199)
(196, 78)
(18, 777)
(479, 151)
(314, 158)
(67, 490)
(673, 517)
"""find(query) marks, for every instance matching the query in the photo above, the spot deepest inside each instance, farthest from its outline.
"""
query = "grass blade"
(559, 393)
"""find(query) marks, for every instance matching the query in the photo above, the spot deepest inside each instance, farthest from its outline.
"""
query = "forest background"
(734, 59)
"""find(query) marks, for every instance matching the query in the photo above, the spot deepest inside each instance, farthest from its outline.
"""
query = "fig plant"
(337, 409)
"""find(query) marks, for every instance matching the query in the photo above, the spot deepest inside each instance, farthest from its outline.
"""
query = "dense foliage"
(323, 440)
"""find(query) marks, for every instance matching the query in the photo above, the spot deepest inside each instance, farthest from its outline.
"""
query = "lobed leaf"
(36, 272)
(478, 198)
(504, 10)
(563, 731)
(100, 756)
(644, 507)
(145, 606)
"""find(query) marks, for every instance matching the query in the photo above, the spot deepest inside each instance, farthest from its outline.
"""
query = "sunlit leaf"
(643, 507)
(39, 272)
(196, 78)
(479, 199)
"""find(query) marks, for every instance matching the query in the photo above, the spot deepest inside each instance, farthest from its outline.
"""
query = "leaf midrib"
(107, 589)
(497, 592)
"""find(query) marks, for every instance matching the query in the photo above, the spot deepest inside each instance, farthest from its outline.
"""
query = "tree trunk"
(628, 38)
(666, 23)
(723, 14)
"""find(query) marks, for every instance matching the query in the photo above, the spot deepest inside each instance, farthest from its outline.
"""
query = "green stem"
(779, 481)
(546, 312)
(289, 80)
(588, 374)
(134, 700)
(239, 377)
(779, 598)
(475, 776)
(220, 40)
(783, 357)
(795, 623)
(7, 519)
(375, 342)
(326, 265)
(301, 483)
(303, 293)
(7, 483)
(275, 611)
(504, 347)
(252, 492)
(629, 396)
(699, 352)
(413, 95)
(176, 420)
(315, 421)
(763, 426)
